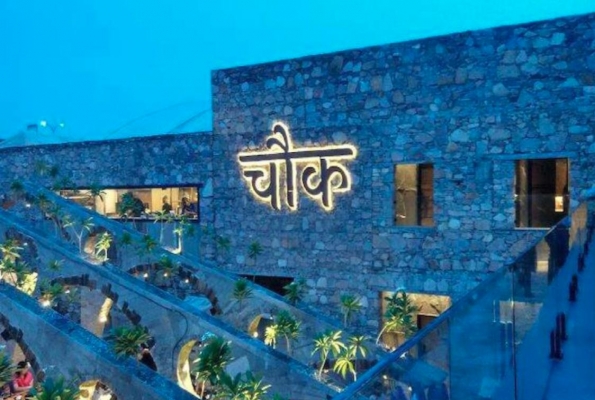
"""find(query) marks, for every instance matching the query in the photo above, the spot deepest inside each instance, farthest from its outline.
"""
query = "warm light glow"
(255, 334)
(165, 274)
(103, 319)
(46, 303)
(559, 203)
(321, 173)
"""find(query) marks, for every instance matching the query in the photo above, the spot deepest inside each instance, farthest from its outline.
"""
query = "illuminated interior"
(147, 201)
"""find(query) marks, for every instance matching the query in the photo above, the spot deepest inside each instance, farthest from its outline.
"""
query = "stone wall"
(470, 103)
(145, 161)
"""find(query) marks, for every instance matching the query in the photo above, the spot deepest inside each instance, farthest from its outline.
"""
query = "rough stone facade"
(145, 161)
(470, 103)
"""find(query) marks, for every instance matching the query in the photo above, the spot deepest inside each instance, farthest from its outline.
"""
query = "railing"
(494, 343)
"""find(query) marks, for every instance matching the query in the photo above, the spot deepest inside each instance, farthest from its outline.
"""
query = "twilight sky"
(99, 64)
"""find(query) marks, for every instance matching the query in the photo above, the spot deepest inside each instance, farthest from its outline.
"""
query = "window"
(541, 192)
(414, 194)
(139, 202)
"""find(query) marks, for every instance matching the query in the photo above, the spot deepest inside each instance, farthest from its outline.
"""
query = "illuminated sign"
(322, 174)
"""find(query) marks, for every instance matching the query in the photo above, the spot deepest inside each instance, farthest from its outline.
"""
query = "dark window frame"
(527, 211)
(419, 198)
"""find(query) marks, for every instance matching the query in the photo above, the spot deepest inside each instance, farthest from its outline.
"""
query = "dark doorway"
(273, 283)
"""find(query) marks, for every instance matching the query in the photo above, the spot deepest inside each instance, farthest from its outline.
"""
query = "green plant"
(161, 217)
(184, 228)
(288, 327)
(167, 266)
(325, 344)
(271, 333)
(148, 244)
(57, 389)
(129, 206)
(50, 292)
(357, 345)
(41, 168)
(55, 265)
(96, 190)
(16, 273)
(350, 305)
(6, 369)
(345, 364)
(127, 341)
(102, 246)
(239, 388)
(84, 225)
(241, 291)
(43, 203)
(399, 315)
(10, 249)
(230, 388)
(224, 243)
(254, 250)
(125, 241)
(294, 292)
(254, 389)
(211, 362)
(61, 184)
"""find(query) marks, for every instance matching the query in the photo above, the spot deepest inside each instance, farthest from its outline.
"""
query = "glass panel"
(494, 343)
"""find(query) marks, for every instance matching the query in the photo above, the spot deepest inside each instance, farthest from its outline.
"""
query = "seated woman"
(23, 378)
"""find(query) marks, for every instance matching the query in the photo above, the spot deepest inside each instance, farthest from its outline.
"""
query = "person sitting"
(23, 378)
(166, 205)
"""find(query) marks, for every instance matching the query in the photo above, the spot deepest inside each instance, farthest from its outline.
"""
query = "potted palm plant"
(127, 341)
(7, 369)
(57, 389)
(399, 317)
(350, 305)
(325, 344)
(241, 291)
(211, 362)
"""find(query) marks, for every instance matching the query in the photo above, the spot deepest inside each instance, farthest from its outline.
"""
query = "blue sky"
(96, 65)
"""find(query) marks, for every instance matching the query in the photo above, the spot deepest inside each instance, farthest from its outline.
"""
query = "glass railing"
(494, 343)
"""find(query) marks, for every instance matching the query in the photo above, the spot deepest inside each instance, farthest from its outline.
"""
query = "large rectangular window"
(541, 192)
(139, 202)
(414, 194)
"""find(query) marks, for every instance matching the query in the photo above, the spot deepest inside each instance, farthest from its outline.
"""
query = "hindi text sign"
(322, 175)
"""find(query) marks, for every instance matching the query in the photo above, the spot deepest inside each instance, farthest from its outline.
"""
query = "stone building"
(458, 153)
